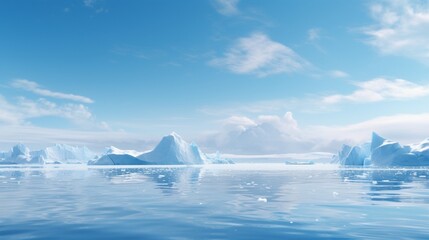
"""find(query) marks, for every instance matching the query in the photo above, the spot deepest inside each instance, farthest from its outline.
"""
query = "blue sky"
(251, 77)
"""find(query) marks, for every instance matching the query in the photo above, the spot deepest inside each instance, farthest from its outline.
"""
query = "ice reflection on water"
(229, 201)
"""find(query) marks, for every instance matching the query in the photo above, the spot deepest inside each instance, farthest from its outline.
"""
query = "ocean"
(239, 201)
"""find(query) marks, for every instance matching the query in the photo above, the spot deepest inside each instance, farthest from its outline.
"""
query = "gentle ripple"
(271, 201)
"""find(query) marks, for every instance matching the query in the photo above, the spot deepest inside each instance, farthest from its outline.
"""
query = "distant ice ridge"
(60, 153)
(384, 153)
(171, 150)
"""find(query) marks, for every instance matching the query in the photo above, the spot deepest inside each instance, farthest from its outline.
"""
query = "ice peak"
(174, 135)
(376, 141)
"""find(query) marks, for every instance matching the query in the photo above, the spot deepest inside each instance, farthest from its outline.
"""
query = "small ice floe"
(374, 182)
(335, 194)
(262, 199)
(161, 176)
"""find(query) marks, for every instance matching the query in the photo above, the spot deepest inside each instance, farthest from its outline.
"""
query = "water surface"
(253, 201)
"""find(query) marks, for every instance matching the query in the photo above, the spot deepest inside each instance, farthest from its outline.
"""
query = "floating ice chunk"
(262, 199)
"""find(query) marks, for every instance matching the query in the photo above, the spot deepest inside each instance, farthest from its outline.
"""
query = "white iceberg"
(385, 153)
(19, 154)
(114, 150)
(356, 155)
(65, 154)
(116, 156)
(60, 153)
(173, 150)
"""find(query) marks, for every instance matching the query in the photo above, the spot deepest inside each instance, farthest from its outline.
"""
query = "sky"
(238, 76)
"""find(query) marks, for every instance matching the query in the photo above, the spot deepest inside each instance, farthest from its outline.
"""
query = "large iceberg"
(116, 156)
(385, 153)
(18, 154)
(62, 153)
(173, 150)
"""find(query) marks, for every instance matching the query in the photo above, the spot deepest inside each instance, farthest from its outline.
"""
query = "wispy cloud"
(313, 34)
(391, 126)
(338, 74)
(226, 7)
(380, 89)
(258, 54)
(94, 4)
(400, 28)
(24, 109)
(35, 88)
(89, 3)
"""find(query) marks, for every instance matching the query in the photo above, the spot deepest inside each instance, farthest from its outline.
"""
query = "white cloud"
(273, 134)
(89, 3)
(405, 128)
(35, 88)
(313, 34)
(400, 28)
(259, 55)
(226, 7)
(7, 112)
(338, 74)
(25, 109)
(380, 89)
(267, 134)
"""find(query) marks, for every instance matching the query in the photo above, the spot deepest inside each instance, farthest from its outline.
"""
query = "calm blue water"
(272, 201)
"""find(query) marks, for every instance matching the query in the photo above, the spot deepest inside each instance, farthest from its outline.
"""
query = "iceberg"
(173, 150)
(19, 154)
(114, 150)
(354, 156)
(116, 156)
(60, 153)
(64, 154)
(385, 153)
